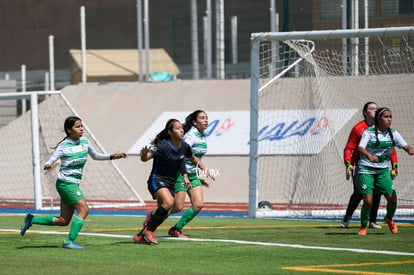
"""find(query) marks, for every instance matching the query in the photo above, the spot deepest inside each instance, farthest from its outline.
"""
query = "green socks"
(390, 211)
(75, 227)
(188, 215)
(47, 220)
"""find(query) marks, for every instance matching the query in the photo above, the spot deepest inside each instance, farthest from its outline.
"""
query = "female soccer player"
(194, 126)
(375, 147)
(168, 151)
(351, 157)
(73, 152)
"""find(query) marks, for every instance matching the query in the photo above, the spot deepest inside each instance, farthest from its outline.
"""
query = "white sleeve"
(364, 139)
(97, 156)
(57, 154)
(399, 140)
(189, 139)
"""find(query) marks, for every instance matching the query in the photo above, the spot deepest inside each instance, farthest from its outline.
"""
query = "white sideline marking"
(358, 250)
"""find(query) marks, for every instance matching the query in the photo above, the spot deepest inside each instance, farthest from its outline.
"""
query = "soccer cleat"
(175, 232)
(147, 218)
(71, 245)
(148, 236)
(362, 231)
(139, 239)
(374, 225)
(27, 223)
(345, 221)
(392, 226)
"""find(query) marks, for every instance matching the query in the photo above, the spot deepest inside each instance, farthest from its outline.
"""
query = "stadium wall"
(119, 113)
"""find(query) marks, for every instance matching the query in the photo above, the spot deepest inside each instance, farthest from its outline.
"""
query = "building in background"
(112, 24)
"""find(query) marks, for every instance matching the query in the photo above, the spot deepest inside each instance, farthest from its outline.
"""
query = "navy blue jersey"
(168, 161)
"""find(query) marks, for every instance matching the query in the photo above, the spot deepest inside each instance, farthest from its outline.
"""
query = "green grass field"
(216, 246)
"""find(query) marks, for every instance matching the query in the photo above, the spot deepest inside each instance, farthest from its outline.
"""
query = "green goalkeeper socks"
(365, 216)
(188, 215)
(47, 220)
(75, 228)
(390, 211)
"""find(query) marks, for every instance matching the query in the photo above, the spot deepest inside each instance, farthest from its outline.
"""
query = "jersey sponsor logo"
(78, 148)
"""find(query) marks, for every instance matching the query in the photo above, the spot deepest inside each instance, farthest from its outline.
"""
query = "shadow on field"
(353, 233)
(38, 246)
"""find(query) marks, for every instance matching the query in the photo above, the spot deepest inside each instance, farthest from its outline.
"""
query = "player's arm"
(98, 156)
(183, 171)
(369, 156)
(350, 147)
(394, 164)
(363, 143)
(408, 149)
(197, 163)
(401, 143)
(146, 153)
(57, 154)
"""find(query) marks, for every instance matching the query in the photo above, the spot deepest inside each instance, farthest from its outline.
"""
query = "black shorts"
(156, 184)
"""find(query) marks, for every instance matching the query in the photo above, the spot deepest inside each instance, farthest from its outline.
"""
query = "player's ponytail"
(164, 133)
(190, 119)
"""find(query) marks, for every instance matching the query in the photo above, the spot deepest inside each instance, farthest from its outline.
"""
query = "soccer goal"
(307, 92)
(28, 139)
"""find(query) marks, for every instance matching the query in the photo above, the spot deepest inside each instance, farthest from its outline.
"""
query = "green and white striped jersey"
(73, 156)
(198, 144)
(381, 149)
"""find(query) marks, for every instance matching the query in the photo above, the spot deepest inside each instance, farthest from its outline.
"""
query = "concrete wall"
(119, 113)
(8, 108)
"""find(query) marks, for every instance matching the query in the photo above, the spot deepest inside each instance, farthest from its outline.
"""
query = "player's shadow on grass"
(352, 233)
(122, 242)
(37, 246)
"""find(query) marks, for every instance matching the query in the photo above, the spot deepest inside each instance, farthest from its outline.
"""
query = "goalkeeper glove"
(349, 168)
(394, 170)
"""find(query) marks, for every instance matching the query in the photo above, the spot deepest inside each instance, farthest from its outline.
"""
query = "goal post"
(306, 93)
(28, 140)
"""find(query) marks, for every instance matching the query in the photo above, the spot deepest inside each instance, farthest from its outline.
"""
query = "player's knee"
(198, 206)
(61, 221)
(83, 211)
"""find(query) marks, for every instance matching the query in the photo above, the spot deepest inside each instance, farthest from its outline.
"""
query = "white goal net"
(28, 139)
(307, 92)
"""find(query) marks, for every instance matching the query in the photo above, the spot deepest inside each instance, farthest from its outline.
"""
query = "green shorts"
(179, 184)
(380, 181)
(69, 192)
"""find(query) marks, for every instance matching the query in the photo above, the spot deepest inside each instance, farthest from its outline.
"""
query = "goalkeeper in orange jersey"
(351, 157)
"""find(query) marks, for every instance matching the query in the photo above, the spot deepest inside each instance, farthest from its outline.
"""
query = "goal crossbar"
(333, 34)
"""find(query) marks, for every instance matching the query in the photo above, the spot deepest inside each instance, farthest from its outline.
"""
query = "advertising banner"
(281, 132)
